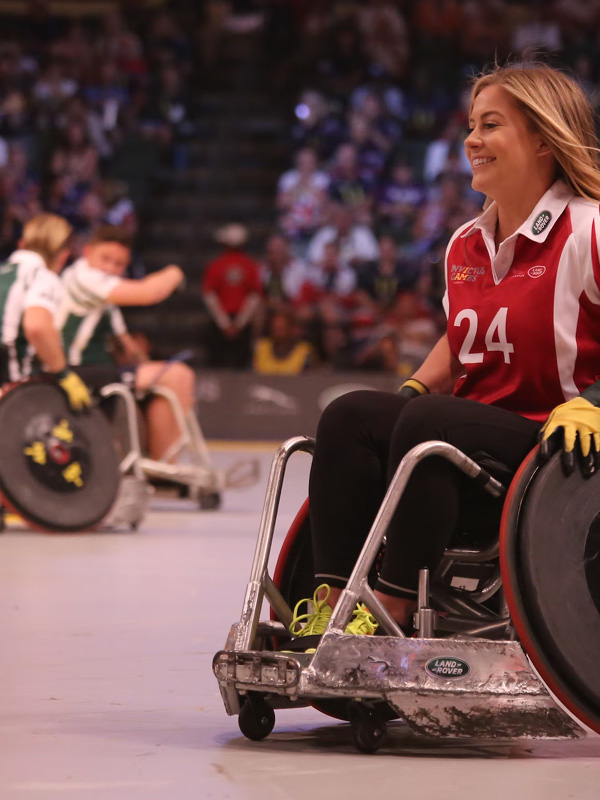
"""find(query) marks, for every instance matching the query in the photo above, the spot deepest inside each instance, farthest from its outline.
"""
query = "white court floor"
(107, 691)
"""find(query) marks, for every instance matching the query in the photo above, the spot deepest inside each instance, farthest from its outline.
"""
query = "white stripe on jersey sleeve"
(584, 218)
(567, 291)
(574, 277)
(13, 310)
(117, 322)
(84, 333)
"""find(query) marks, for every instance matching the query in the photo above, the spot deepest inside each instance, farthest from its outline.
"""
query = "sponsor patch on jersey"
(460, 274)
(541, 222)
(536, 272)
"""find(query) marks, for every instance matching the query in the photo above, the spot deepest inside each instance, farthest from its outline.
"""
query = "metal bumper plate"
(438, 686)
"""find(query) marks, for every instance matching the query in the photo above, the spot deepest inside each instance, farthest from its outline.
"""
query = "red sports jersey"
(525, 321)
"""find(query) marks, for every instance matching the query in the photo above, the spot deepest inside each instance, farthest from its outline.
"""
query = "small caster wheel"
(210, 501)
(133, 526)
(368, 728)
(2, 521)
(257, 718)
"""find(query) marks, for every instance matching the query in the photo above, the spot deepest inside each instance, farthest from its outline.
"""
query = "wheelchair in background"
(187, 464)
(507, 630)
(66, 471)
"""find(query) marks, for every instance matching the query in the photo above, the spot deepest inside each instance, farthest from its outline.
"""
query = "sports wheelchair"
(67, 472)
(194, 473)
(507, 631)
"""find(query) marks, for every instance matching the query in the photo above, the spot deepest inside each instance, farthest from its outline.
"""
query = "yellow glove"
(75, 389)
(579, 421)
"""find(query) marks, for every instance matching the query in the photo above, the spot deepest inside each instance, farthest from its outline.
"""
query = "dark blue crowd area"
(92, 100)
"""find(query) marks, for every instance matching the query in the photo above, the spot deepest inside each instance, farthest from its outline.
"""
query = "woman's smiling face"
(503, 149)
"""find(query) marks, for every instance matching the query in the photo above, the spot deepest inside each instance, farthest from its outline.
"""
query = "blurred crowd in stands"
(378, 178)
(73, 93)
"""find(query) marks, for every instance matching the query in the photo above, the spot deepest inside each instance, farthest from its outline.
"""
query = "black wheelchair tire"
(542, 546)
(41, 506)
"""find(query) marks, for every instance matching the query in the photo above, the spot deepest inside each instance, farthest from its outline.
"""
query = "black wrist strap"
(60, 375)
(592, 394)
(417, 386)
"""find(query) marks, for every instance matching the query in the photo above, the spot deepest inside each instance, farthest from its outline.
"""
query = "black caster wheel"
(368, 728)
(210, 501)
(2, 522)
(257, 718)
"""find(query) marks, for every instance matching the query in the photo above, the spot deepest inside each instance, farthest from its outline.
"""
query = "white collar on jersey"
(29, 258)
(538, 224)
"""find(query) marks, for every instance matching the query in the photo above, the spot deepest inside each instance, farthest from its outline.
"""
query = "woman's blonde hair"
(47, 235)
(555, 107)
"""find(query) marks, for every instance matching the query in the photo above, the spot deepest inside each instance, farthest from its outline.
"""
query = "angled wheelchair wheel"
(59, 470)
(294, 577)
(294, 574)
(550, 561)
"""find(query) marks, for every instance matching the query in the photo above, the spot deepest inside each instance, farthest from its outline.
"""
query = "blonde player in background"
(30, 297)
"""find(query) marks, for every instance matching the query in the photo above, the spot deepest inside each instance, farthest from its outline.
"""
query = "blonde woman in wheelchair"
(518, 363)
(30, 298)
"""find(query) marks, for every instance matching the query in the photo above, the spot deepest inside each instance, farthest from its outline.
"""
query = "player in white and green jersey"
(90, 320)
(30, 296)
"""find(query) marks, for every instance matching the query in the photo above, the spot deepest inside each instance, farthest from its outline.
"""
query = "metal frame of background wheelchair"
(200, 476)
(366, 670)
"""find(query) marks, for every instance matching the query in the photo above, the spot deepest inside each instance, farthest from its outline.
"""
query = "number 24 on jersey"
(495, 337)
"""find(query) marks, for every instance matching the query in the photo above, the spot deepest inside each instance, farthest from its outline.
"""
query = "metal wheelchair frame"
(205, 483)
(466, 685)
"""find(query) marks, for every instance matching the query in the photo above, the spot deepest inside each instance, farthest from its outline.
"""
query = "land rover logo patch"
(541, 222)
(447, 667)
(536, 272)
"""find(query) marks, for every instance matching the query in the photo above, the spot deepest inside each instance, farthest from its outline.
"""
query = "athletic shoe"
(315, 621)
(307, 637)
(363, 623)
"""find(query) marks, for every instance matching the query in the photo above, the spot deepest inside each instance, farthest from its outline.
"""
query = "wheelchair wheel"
(209, 501)
(294, 577)
(368, 726)
(59, 470)
(550, 561)
(256, 719)
(294, 574)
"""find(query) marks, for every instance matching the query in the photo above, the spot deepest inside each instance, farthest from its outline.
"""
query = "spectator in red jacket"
(231, 288)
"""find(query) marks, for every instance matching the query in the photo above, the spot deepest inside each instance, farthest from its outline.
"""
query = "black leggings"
(361, 439)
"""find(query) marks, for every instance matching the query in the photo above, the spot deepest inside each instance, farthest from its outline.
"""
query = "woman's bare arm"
(440, 370)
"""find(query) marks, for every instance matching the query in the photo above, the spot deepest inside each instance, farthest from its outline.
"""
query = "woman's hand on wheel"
(578, 423)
